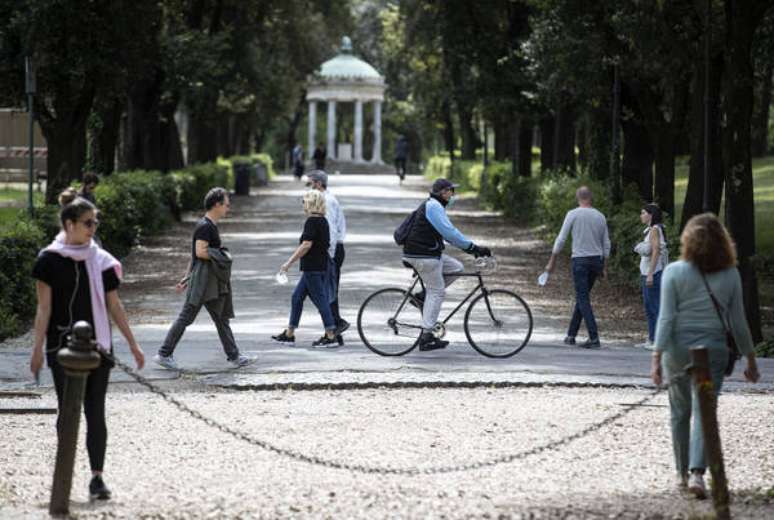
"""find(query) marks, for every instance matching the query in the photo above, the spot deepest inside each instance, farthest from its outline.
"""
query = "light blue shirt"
(687, 317)
(436, 215)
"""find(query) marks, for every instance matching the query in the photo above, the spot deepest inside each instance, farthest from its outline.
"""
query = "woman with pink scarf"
(77, 280)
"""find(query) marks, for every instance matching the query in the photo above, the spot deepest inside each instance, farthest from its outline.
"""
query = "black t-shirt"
(316, 230)
(205, 230)
(59, 273)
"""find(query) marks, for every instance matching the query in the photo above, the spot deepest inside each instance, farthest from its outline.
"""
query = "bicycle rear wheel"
(388, 323)
(498, 323)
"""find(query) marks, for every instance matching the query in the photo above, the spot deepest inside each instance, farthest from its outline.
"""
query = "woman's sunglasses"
(90, 223)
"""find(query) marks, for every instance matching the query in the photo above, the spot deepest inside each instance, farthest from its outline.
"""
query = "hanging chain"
(384, 470)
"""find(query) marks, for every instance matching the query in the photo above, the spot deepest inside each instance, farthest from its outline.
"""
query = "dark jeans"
(585, 270)
(650, 298)
(338, 261)
(93, 408)
(188, 315)
(314, 285)
(400, 166)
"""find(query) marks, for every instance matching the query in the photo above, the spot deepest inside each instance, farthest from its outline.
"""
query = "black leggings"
(93, 408)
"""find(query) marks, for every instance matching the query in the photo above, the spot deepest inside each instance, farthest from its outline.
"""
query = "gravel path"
(163, 464)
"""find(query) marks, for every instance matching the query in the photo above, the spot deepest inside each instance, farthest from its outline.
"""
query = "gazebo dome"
(346, 65)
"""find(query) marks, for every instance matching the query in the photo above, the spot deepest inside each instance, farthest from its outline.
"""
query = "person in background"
(77, 280)
(337, 225)
(590, 251)
(88, 185)
(297, 158)
(319, 156)
(654, 257)
(313, 255)
(688, 318)
(401, 155)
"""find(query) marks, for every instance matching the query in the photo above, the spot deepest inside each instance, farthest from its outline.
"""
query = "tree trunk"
(171, 147)
(742, 19)
(143, 124)
(547, 125)
(467, 132)
(599, 143)
(525, 148)
(693, 204)
(104, 141)
(448, 128)
(501, 140)
(564, 138)
(760, 122)
(514, 131)
(664, 192)
(203, 135)
(638, 158)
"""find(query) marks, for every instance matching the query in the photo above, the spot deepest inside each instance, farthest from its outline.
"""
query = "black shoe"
(340, 340)
(342, 327)
(97, 489)
(284, 338)
(418, 300)
(326, 342)
(590, 344)
(429, 342)
(569, 340)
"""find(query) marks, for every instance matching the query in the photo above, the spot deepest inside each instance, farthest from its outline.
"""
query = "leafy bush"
(765, 348)
(193, 183)
(500, 189)
(19, 246)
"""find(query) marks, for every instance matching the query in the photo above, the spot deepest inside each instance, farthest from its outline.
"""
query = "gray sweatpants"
(434, 273)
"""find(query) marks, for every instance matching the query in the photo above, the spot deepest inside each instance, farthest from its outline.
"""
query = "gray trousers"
(435, 275)
(188, 315)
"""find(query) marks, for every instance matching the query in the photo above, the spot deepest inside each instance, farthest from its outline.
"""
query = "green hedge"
(132, 205)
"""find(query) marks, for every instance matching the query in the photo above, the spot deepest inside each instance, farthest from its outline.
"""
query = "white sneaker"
(696, 485)
(239, 362)
(647, 345)
(166, 362)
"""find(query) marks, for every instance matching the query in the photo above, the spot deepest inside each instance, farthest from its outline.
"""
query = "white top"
(644, 250)
(589, 233)
(336, 222)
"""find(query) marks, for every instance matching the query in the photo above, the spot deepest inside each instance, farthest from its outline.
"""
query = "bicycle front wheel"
(498, 323)
(388, 323)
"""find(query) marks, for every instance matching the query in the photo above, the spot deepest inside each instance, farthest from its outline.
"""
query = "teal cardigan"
(687, 317)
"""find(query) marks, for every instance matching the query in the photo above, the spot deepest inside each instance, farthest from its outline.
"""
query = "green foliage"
(500, 189)
(194, 182)
(19, 246)
(765, 349)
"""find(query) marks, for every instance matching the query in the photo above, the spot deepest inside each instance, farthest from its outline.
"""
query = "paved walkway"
(263, 230)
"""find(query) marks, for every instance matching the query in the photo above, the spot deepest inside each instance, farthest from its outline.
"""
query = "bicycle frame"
(480, 286)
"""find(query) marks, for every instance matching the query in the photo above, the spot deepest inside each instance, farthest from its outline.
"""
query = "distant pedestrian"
(313, 255)
(297, 157)
(88, 185)
(319, 156)
(207, 283)
(654, 257)
(337, 225)
(689, 318)
(77, 280)
(401, 155)
(590, 251)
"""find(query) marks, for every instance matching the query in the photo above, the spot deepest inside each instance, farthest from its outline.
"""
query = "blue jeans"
(585, 270)
(687, 438)
(315, 285)
(650, 298)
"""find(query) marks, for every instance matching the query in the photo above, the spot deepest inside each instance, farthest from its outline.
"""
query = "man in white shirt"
(337, 224)
(590, 251)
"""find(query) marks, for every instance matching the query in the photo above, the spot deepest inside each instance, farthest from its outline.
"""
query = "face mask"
(451, 202)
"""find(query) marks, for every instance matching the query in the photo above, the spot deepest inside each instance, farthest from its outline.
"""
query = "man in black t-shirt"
(205, 236)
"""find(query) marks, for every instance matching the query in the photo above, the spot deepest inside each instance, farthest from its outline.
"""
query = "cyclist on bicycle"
(423, 250)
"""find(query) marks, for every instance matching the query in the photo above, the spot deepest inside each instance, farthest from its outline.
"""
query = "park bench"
(19, 176)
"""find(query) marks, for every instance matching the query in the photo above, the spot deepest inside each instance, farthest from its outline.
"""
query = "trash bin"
(261, 175)
(241, 178)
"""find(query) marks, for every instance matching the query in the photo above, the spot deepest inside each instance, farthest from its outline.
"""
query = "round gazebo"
(346, 79)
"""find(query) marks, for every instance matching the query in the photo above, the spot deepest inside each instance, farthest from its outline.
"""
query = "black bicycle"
(497, 323)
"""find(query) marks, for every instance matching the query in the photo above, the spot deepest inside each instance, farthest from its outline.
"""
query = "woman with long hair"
(688, 319)
(653, 259)
(77, 280)
(314, 282)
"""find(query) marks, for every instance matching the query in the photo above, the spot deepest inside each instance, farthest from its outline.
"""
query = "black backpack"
(404, 229)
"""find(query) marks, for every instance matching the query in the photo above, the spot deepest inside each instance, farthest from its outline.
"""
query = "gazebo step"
(353, 168)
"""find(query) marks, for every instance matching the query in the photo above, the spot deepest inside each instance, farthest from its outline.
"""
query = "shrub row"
(132, 205)
(547, 198)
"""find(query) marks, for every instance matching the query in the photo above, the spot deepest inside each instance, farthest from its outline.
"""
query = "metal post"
(705, 389)
(78, 360)
(30, 90)
(707, 36)
(486, 145)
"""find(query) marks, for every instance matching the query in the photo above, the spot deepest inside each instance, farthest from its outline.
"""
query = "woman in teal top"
(687, 318)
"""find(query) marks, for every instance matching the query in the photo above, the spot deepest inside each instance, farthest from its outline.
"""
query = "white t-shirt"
(644, 249)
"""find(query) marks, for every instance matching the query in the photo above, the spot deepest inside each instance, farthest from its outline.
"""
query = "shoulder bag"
(733, 350)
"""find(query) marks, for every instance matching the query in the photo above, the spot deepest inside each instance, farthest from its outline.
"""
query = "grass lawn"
(13, 200)
(763, 180)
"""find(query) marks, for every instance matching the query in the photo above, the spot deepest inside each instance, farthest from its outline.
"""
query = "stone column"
(312, 128)
(331, 129)
(377, 155)
(358, 131)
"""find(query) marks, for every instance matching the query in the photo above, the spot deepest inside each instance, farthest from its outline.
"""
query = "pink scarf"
(97, 260)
